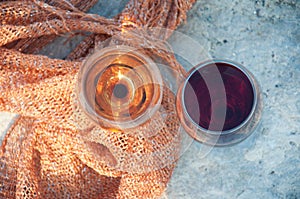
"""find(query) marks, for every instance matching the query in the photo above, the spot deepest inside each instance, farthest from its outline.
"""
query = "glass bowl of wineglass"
(219, 103)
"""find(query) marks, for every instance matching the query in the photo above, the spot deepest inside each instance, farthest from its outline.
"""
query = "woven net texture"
(53, 150)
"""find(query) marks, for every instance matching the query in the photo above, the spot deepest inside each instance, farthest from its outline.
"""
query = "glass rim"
(88, 108)
(246, 72)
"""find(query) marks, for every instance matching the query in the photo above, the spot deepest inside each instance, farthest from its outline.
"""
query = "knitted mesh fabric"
(53, 150)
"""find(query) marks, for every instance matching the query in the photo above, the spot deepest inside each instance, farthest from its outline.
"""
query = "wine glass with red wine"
(219, 103)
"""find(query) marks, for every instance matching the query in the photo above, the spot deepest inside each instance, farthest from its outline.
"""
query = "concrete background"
(263, 35)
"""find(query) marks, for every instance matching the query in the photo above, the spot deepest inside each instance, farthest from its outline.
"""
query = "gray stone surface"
(264, 35)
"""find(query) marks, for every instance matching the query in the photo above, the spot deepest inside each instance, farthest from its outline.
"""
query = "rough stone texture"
(264, 35)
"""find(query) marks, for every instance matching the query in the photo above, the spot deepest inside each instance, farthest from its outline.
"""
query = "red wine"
(218, 96)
